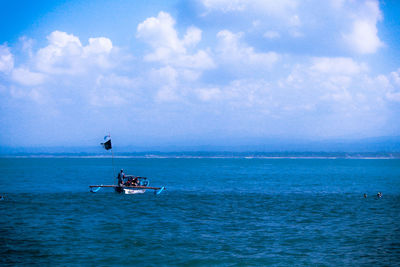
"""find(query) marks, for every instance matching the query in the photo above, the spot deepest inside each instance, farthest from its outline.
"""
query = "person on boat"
(135, 182)
(121, 176)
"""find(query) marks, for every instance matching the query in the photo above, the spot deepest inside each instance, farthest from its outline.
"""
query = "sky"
(201, 72)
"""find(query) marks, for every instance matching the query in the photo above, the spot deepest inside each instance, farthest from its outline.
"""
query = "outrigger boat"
(126, 188)
(133, 185)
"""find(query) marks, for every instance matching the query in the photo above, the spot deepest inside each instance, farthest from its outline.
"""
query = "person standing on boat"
(121, 176)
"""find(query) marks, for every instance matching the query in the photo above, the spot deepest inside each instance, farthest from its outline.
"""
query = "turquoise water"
(251, 212)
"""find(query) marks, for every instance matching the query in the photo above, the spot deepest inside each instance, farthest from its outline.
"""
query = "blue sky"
(198, 72)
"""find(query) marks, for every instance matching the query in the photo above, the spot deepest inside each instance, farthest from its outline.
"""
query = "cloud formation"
(65, 71)
(6, 59)
(232, 51)
(26, 77)
(338, 65)
(178, 59)
(271, 7)
(169, 49)
(65, 54)
(266, 75)
(363, 36)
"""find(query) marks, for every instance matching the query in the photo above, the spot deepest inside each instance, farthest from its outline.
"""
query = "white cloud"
(248, 92)
(114, 80)
(340, 88)
(393, 96)
(233, 51)
(26, 77)
(190, 75)
(363, 37)
(355, 23)
(27, 45)
(238, 94)
(251, 80)
(166, 80)
(271, 34)
(256, 23)
(342, 96)
(207, 94)
(160, 34)
(393, 93)
(167, 93)
(338, 65)
(62, 39)
(113, 90)
(343, 86)
(172, 84)
(294, 21)
(98, 46)
(65, 54)
(283, 15)
(351, 101)
(395, 76)
(61, 64)
(337, 3)
(6, 59)
(272, 7)
(224, 5)
(35, 94)
(106, 97)
(192, 36)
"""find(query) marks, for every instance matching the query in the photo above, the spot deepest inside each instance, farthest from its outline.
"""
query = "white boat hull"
(134, 191)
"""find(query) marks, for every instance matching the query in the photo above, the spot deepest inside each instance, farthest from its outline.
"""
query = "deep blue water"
(251, 212)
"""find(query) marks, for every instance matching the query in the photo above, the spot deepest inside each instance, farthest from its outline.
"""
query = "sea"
(216, 211)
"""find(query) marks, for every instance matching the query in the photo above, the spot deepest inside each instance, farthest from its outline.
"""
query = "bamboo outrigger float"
(133, 185)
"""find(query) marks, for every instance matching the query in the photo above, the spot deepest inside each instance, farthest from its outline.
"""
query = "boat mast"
(112, 159)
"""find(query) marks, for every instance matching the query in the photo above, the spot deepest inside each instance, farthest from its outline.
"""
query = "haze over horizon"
(198, 72)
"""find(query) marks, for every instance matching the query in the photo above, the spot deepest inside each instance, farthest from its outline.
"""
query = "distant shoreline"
(152, 156)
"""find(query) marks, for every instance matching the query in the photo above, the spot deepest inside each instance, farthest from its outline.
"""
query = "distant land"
(378, 147)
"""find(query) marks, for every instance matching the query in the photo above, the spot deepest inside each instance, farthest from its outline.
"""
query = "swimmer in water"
(365, 195)
(379, 195)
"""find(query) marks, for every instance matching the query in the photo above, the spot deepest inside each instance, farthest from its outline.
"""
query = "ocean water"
(215, 212)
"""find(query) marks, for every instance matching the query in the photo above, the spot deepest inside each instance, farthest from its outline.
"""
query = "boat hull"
(129, 191)
(134, 191)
